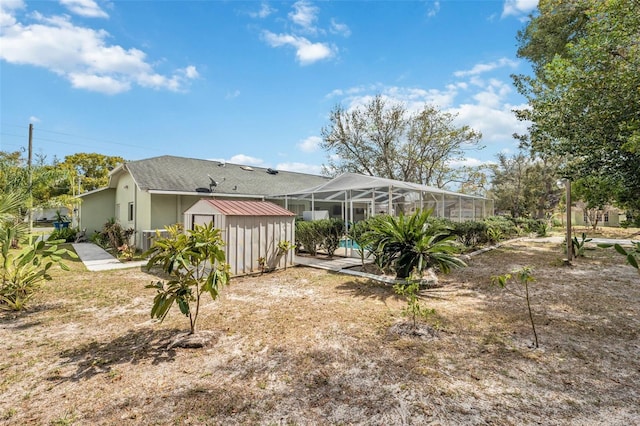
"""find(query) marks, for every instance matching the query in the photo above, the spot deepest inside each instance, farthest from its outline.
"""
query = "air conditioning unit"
(149, 236)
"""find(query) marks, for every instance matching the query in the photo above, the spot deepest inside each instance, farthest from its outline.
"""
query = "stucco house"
(150, 194)
(147, 195)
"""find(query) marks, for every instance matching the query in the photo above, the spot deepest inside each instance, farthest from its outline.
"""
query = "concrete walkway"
(95, 258)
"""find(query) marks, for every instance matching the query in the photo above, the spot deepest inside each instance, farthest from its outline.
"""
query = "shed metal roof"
(248, 208)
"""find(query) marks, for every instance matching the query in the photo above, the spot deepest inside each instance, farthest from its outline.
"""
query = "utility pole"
(30, 206)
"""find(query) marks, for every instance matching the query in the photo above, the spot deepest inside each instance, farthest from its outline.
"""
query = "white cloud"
(232, 95)
(265, 11)
(433, 8)
(413, 98)
(338, 28)
(86, 8)
(246, 160)
(305, 15)
(310, 144)
(313, 169)
(95, 83)
(486, 109)
(483, 68)
(83, 56)
(306, 51)
(469, 162)
(34, 119)
(518, 7)
(7, 10)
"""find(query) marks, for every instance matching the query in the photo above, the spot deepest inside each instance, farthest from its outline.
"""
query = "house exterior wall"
(96, 209)
(125, 194)
(142, 215)
(165, 210)
(610, 218)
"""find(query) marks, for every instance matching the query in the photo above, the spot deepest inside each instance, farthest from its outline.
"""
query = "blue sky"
(249, 82)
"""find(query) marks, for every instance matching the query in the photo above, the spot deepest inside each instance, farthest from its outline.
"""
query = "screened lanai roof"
(357, 186)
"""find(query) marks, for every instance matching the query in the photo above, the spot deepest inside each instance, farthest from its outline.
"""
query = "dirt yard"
(309, 347)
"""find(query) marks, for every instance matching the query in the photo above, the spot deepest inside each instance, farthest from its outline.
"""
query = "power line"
(38, 130)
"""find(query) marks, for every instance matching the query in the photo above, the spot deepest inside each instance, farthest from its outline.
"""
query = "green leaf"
(620, 249)
(632, 260)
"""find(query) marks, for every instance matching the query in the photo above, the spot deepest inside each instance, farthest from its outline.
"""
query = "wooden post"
(569, 242)
(29, 161)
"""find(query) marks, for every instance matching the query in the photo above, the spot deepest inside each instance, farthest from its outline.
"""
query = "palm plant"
(406, 244)
(11, 203)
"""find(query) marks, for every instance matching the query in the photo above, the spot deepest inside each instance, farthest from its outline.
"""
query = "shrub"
(330, 232)
(578, 246)
(471, 233)
(68, 235)
(22, 273)
(527, 225)
(406, 244)
(307, 236)
(113, 235)
(500, 226)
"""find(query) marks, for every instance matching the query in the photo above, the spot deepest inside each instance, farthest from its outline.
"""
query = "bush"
(330, 232)
(23, 272)
(528, 226)
(112, 236)
(471, 233)
(408, 244)
(307, 236)
(500, 227)
(66, 234)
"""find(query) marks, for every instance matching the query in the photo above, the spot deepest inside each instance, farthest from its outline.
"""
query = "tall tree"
(384, 139)
(525, 187)
(584, 96)
(92, 169)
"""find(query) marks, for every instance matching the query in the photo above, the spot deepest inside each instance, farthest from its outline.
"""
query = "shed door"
(202, 219)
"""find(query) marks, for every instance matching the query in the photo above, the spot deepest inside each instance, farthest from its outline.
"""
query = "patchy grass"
(305, 346)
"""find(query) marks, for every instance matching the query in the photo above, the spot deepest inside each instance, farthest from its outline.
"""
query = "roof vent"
(207, 190)
(247, 168)
(222, 164)
(272, 171)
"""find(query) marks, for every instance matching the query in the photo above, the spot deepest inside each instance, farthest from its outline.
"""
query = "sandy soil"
(308, 347)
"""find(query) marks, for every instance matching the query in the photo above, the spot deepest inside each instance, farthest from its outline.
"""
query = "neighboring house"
(150, 194)
(609, 216)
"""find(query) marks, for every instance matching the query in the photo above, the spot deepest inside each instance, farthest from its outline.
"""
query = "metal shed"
(250, 230)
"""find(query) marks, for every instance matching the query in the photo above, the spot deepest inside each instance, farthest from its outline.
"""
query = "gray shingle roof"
(169, 173)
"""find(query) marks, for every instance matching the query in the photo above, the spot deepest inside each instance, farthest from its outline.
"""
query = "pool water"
(349, 244)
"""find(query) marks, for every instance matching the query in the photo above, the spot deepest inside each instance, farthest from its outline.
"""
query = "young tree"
(195, 264)
(384, 139)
